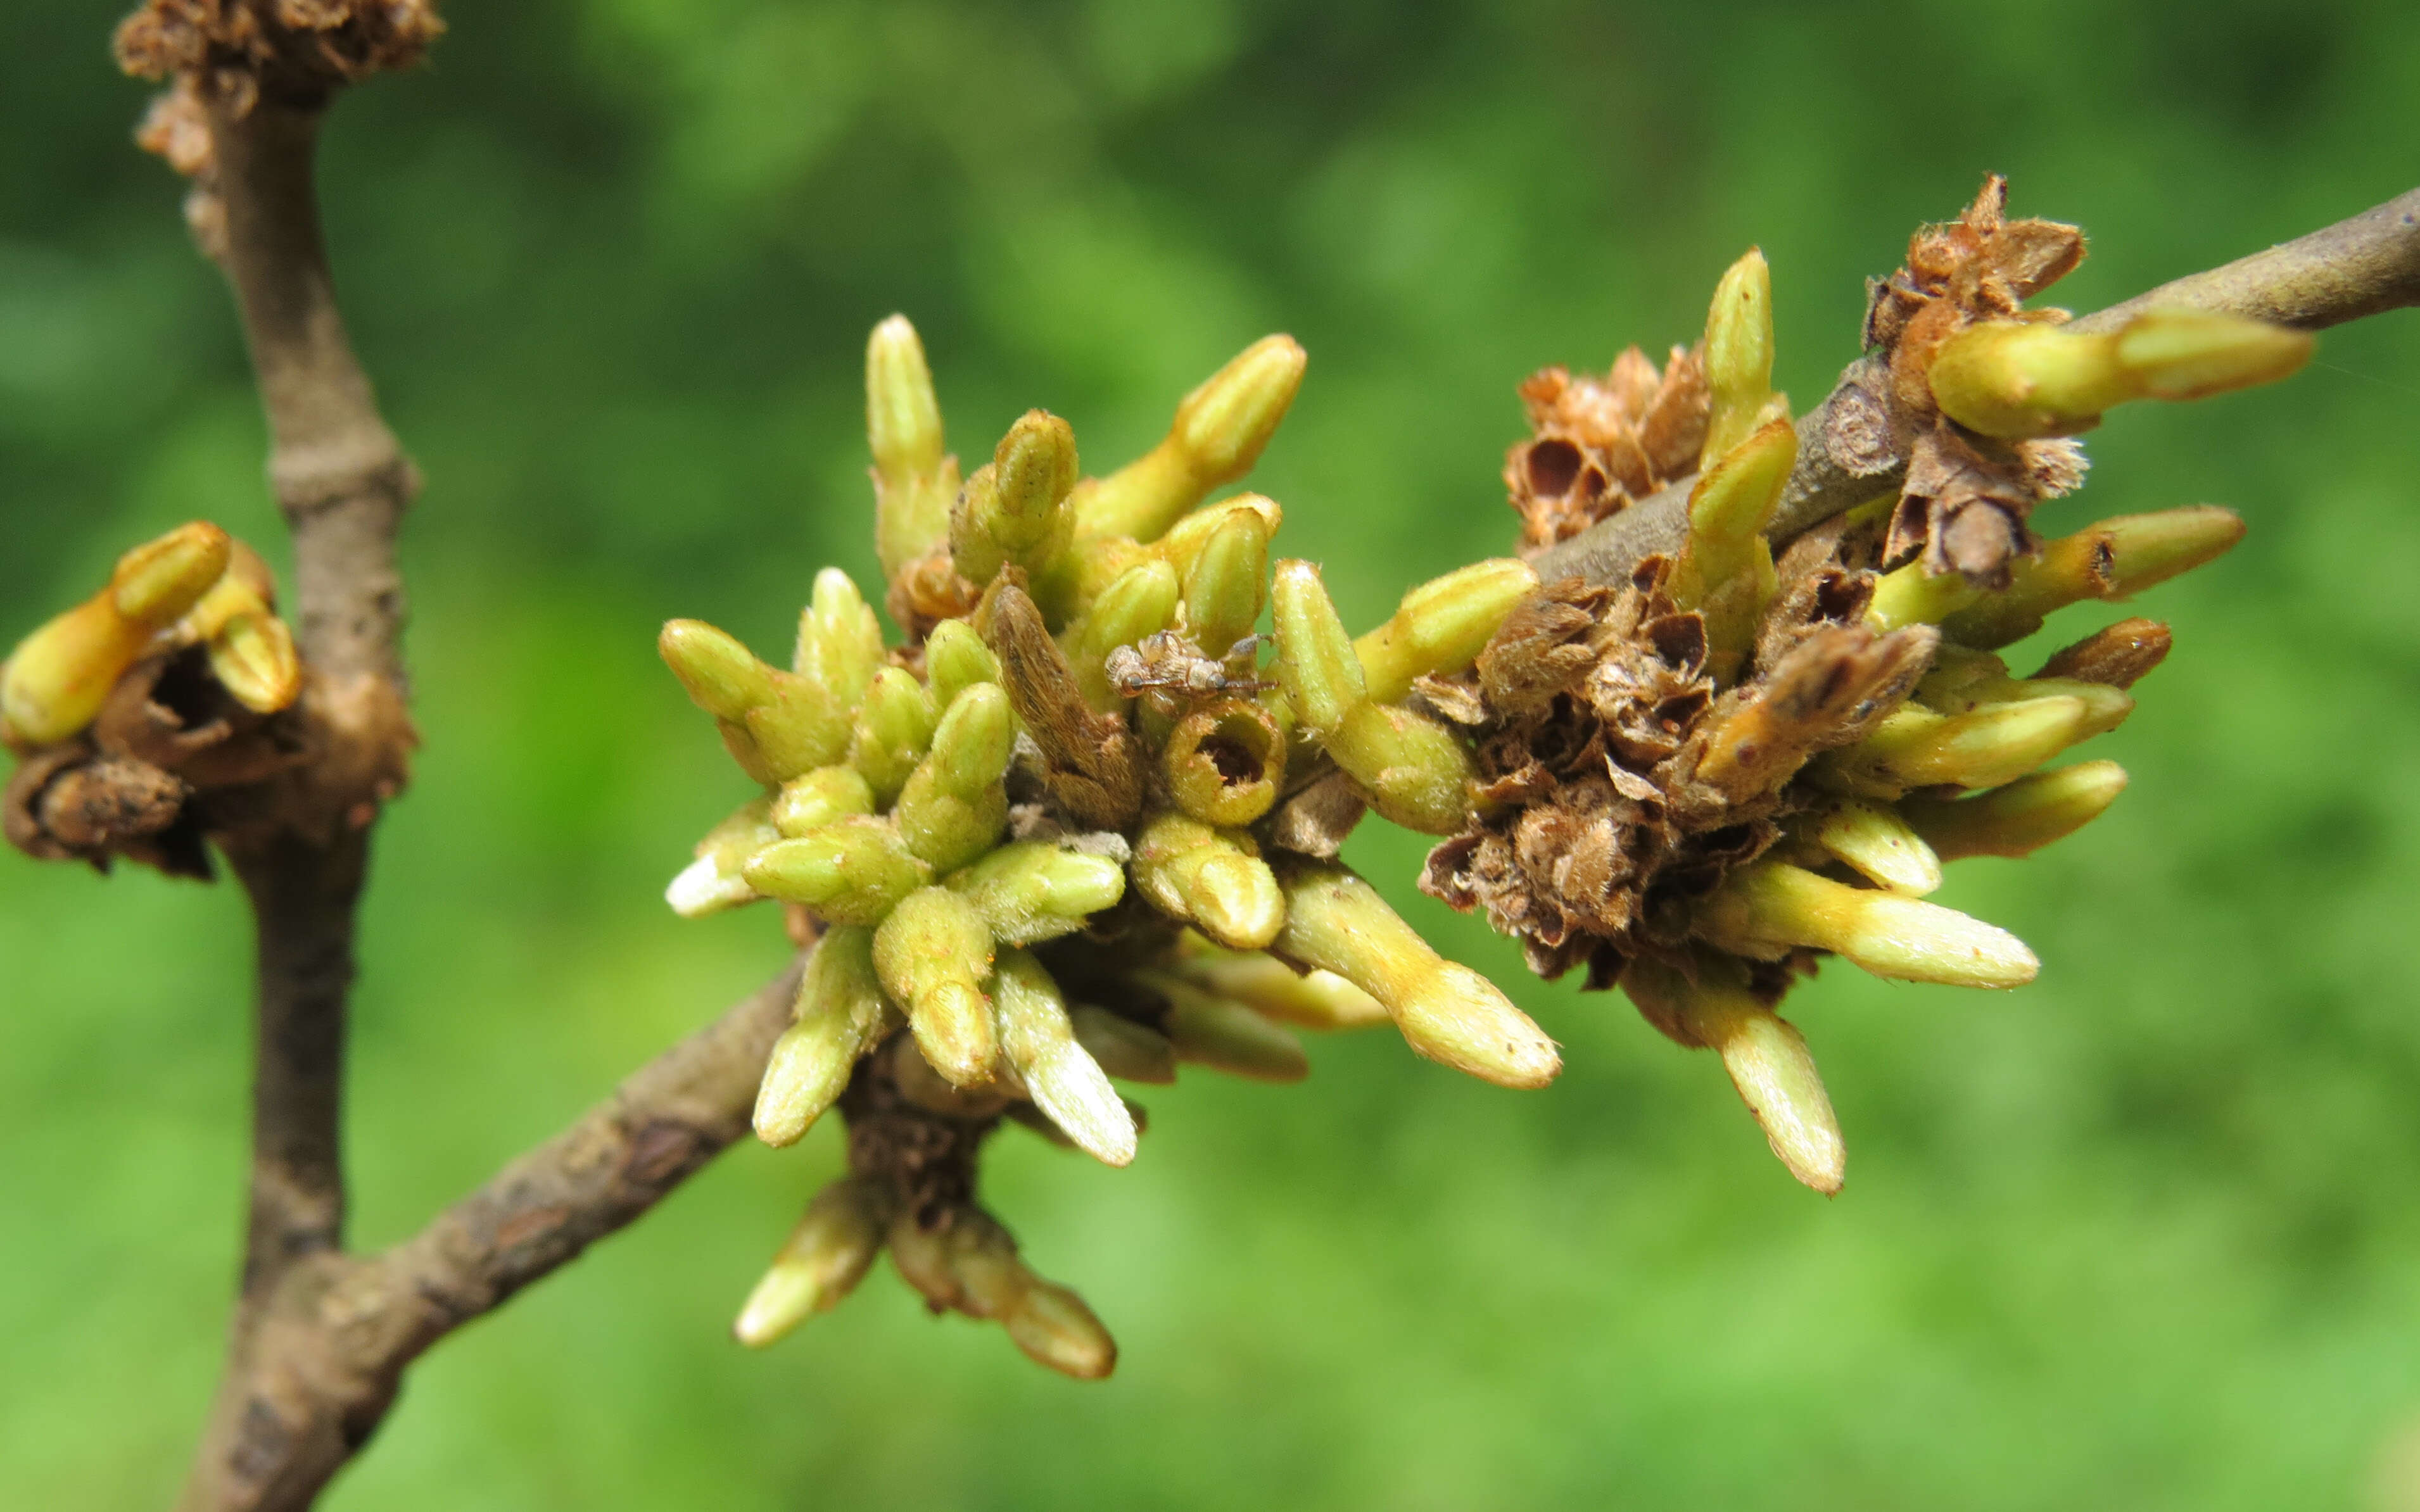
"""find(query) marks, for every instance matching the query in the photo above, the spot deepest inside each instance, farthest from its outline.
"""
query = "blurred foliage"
(2144, 1234)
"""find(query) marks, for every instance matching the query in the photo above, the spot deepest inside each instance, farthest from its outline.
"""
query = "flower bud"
(1016, 510)
(1337, 922)
(715, 881)
(821, 1262)
(2116, 559)
(1316, 663)
(1054, 1327)
(1126, 1050)
(1766, 909)
(1030, 890)
(956, 658)
(1224, 584)
(813, 799)
(1211, 879)
(1310, 1000)
(850, 871)
(1415, 770)
(723, 676)
(155, 583)
(1872, 838)
(1915, 748)
(1765, 1055)
(913, 482)
(1441, 625)
(893, 730)
(253, 658)
(802, 727)
(840, 643)
(55, 681)
(2192, 354)
(954, 807)
(1140, 603)
(1224, 762)
(1208, 1030)
(1219, 430)
(1040, 1044)
(1726, 569)
(934, 954)
(838, 1017)
(2021, 817)
(1738, 357)
(2020, 379)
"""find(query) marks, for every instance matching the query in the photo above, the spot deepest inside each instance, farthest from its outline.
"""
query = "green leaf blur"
(2146, 1234)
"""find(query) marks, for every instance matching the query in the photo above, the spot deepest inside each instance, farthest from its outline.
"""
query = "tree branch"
(2360, 267)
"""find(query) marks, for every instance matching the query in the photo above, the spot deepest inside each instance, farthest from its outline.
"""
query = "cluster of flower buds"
(1698, 782)
(159, 690)
(1069, 832)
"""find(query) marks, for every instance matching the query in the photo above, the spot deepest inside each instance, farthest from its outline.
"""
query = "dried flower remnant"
(1698, 782)
(1073, 832)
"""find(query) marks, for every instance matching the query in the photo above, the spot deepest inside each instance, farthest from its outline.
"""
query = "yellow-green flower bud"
(802, 727)
(1316, 664)
(1140, 603)
(1915, 748)
(1207, 1030)
(1415, 770)
(813, 799)
(1767, 909)
(1441, 625)
(1307, 999)
(2116, 559)
(1726, 570)
(1738, 356)
(1224, 762)
(1224, 583)
(1016, 510)
(894, 729)
(956, 658)
(716, 880)
(1031, 890)
(1874, 840)
(2192, 354)
(850, 871)
(1212, 879)
(1040, 1045)
(2021, 818)
(723, 676)
(954, 807)
(253, 657)
(934, 955)
(154, 584)
(1126, 1050)
(2017, 380)
(1219, 430)
(1183, 544)
(1765, 1055)
(1054, 1327)
(1337, 922)
(821, 1262)
(913, 482)
(838, 1017)
(2104, 707)
(57, 678)
(840, 641)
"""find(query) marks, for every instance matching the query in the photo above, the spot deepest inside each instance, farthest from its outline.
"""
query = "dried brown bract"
(296, 51)
(1597, 445)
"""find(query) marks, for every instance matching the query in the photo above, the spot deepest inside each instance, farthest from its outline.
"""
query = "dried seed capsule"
(1208, 1030)
(850, 871)
(1739, 357)
(1310, 1000)
(1219, 430)
(838, 1017)
(1224, 762)
(1767, 909)
(55, 681)
(956, 658)
(716, 880)
(813, 799)
(2020, 379)
(954, 807)
(1224, 585)
(1337, 922)
(1088, 757)
(840, 641)
(1211, 879)
(1765, 1055)
(2018, 819)
(1041, 1047)
(893, 730)
(1441, 625)
(934, 955)
(1016, 510)
(1915, 748)
(1881, 845)
(913, 482)
(821, 1262)
(1030, 890)
(1128, 1051)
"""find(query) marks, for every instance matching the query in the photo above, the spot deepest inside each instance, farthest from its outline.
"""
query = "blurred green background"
(2146, 1234)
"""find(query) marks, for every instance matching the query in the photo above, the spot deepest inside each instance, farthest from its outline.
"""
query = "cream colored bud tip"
(1459, 1018)
(701, 887)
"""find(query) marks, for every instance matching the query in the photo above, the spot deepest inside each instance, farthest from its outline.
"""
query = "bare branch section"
(1847, 455)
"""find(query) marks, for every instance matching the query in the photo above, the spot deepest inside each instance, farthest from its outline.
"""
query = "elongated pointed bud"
(2021, 818)
(1224, 586)
(1316, 664)
(813, 799)
(1415, 770)
(1140, 603)
(934, 955)
(1218, 433)
(913, 482)
(804, 726)
(716, 879)
(1739, 356)
(1183, 544)
(1337, 922)
(1310, 1000)
(1726, 570)
(1225, 762)
(722, 676)
(893, 730)
(2020, 380)
(1016, 510)
(1208, 1030)
(2104, 707)
(2117, 656)
(840, 641)
(1877, 842)
(55, 681)
(956, 658)
(1212, 879)
(1030, 890)
(1440, 626)
(1054, 1327)
(1766, 909)
(1128, 1051)
(1039, 1043)
(1915, 748)
(1766, 1056)
(253, 658)
(2116, 559)
(838, 1016)
(954, 805)
(821, 1262)
(850, 871)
